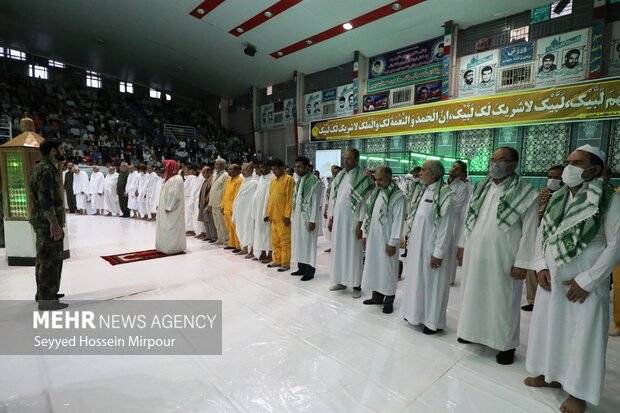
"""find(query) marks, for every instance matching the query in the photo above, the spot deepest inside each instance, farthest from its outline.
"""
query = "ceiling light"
(396, 6)
(239, 30)
(200, 11)
(347, 26)
(268, 14)
(280, 54)
(308, 41)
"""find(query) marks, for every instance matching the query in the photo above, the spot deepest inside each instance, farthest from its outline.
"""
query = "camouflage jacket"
(45, 193)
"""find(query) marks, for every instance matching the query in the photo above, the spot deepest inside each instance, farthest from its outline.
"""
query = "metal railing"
(6, 131)
(176, 133)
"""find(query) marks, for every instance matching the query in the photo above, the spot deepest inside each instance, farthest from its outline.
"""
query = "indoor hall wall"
(278, 143)
(539, 146)
(329, 78)
(241, 123)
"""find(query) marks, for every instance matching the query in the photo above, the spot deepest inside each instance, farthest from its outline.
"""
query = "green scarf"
(361, 184)
(517, 198)
(442, 198)
(568, 233)
(307, 184)
(390, 195)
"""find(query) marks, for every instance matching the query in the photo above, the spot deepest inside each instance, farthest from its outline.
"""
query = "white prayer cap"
(594, 151)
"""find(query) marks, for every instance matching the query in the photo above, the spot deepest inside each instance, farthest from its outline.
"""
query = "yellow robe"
(280, 206)
(230, 193)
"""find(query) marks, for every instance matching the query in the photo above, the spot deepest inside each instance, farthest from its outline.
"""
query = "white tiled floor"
(288, 346)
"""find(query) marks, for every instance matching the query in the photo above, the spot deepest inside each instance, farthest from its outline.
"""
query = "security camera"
(249, 50)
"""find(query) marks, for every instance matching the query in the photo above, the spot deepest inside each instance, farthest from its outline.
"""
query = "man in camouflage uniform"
(47, 220)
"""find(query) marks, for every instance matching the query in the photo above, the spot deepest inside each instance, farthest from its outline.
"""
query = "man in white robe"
(216, 195)
(413, 186)
(329, 204)
(578, 245)
(498, 240)
(110, 196)
(188, 186)
(427, 273)
(320, 221)
(80, 189)
(382, 225)
(350, 189)
(462, 193)
(140, 189)
(198, 226)
(147, 193)
(132, 187)
(262, 229)
(242, 211)
(95, 189)
(170, 235)
(307, 197)
(159, 183)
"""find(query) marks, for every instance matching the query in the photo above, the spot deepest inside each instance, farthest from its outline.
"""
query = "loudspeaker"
(249, 50)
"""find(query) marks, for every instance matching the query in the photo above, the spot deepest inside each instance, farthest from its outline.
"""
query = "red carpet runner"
(136, 256)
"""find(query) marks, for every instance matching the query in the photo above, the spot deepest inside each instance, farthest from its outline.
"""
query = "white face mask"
(498, 170)
(554, 184)
(572, 176)
(416, 180)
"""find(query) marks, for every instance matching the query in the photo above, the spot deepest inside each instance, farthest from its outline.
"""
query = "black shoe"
(528, 307)
(51, 305)
(59, 295)
(212, 241)
(388, 308)
(430, 332)
(283, 269)
(236, 250)
(229, 248)
(463, 341)
(298, 272)
(307, 277)
(506, 357)
(377, 298)
(404, 254)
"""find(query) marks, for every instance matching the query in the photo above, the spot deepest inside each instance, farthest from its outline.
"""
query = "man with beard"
(571, 59)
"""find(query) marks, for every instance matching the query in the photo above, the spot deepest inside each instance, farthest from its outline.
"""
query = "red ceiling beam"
(205, 8)
(267, 14)
(371, 16)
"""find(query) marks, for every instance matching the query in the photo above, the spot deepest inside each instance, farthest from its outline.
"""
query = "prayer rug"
(136, 256)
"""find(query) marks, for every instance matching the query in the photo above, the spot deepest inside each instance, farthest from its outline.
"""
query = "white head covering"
(593, 150)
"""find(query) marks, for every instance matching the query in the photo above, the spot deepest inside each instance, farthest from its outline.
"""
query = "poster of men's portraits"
(290, 112)
(614, 53)
(562, 58)
(266, 116)
(416, 55)
(313, 106)
(346, 100)
(478, 74)
(377, 101)
(427, 92)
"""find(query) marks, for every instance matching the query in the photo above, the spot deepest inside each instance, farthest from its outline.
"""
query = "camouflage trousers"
(48, 263)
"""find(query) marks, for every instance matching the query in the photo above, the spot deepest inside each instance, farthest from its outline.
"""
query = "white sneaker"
(337, 287)
(356, 294)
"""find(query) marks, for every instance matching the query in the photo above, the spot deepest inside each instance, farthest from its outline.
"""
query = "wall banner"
(614, 52)
(346, 100)
(266, 116)
(313, 106)
(290, 111)
(520, 53)
(416, 55)
(478, 73)
(561, 58)
(410, 77)
(592, 100)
